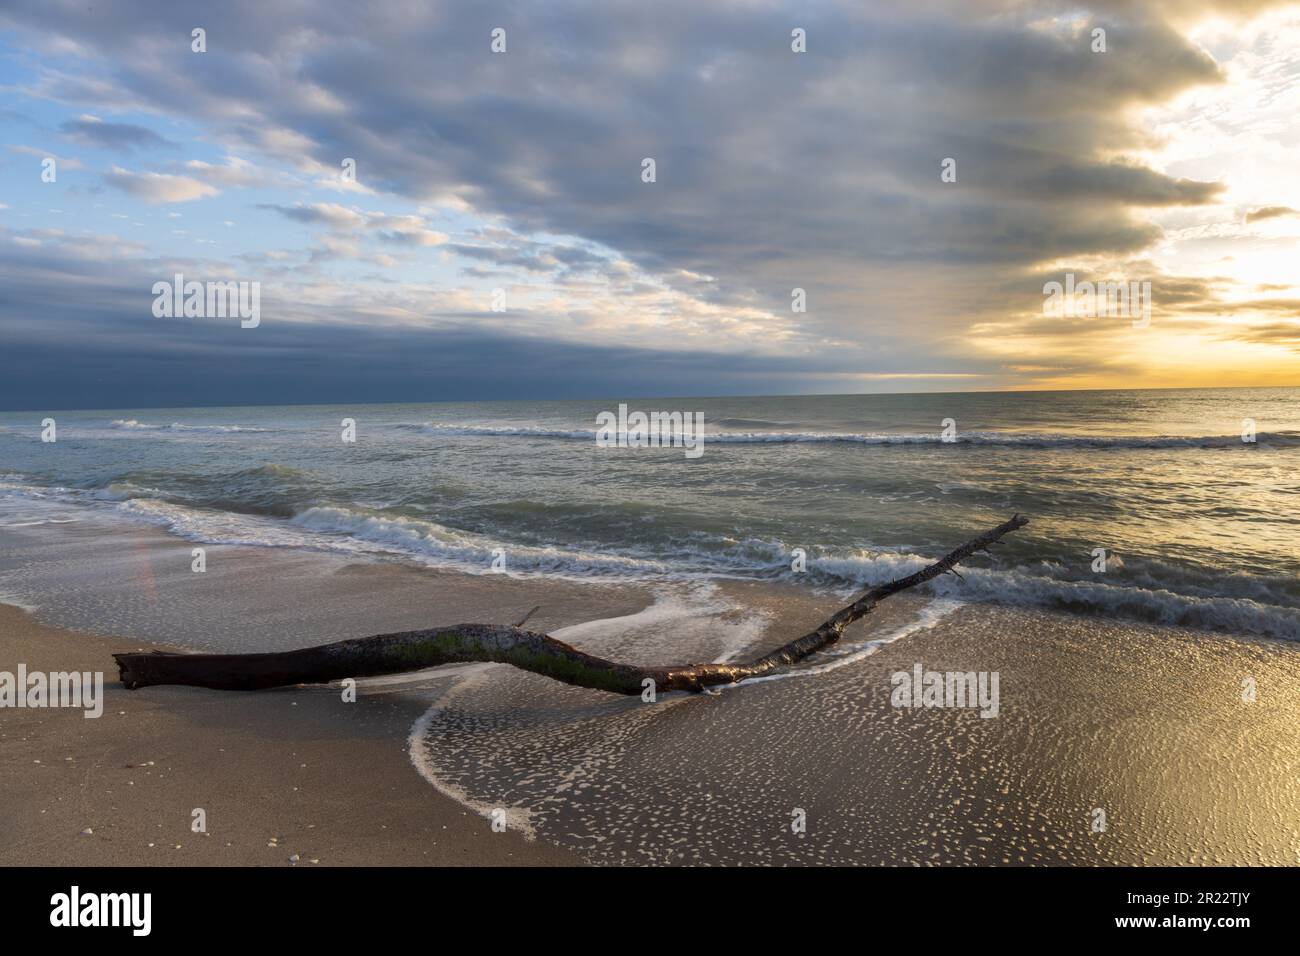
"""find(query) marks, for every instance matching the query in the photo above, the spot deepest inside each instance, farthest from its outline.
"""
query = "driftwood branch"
(505, 644)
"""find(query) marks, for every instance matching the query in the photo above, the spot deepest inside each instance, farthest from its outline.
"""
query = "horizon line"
(625, 397)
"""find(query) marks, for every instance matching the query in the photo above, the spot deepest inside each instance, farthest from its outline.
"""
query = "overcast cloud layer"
(481, 173)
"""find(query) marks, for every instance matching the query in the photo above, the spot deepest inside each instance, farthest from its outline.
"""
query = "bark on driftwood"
(505, 644)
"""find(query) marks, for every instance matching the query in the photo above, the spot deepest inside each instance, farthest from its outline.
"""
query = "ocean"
(1197, 526)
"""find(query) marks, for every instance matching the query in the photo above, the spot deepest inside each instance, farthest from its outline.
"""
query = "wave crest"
(131, 424)
(983, 439)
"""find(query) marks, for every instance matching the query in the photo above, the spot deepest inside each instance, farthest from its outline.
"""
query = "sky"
(500, 240)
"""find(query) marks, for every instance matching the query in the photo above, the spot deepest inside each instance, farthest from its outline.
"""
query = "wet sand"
(1143, 723)
(107, 577)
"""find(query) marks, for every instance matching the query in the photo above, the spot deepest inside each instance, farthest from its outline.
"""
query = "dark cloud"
(91, 131)
(106, 348)
(531, 256)
(1285, 334)
(1270, 212)
(327, 214)
(1116, 184)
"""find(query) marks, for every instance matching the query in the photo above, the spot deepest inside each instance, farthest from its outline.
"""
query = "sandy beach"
(297, 768)
(280, 775)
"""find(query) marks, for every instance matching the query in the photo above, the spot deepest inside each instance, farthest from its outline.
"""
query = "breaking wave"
(984, 439)
(130, 424)
(1143, 590)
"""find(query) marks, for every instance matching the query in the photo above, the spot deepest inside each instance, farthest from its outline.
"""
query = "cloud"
(404, 230)
(532, 257)
(92, 131)
(350, 341)
(1268, 306)
(775, 170)
(324, 213)
(233, 173)
(1270, 212)
(64, 162)
(158, 188)
(413, 237)
(1116, 183)
(398, 230)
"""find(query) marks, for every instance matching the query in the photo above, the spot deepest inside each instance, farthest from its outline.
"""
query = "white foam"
(983, 438)
(676, 623)
(1149, 591)
(930, 615)
(1024, 588)
(468, 551)
(417, 743)
(37, 522)
(131, 424)
(679, 622)
(6, 598)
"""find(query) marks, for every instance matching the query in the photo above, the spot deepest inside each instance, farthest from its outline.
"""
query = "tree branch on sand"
(506, 644)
